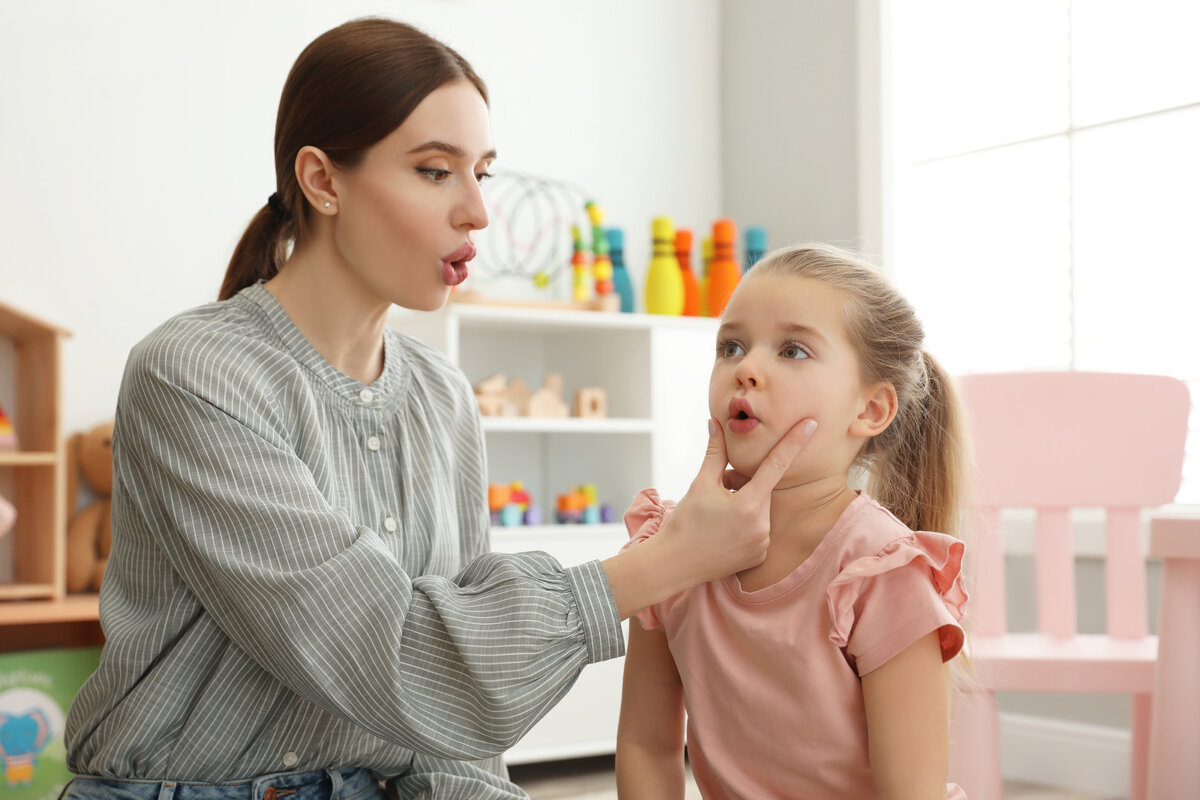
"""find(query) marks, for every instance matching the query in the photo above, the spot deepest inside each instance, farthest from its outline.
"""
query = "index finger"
(779, 459)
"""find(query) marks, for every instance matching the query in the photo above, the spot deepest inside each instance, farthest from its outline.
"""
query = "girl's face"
(784, 355)
(407, 211)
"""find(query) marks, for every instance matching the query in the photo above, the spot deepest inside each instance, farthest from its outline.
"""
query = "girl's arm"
(650, 732)
(908, 724)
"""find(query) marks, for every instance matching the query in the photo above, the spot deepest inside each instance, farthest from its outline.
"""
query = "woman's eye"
(435, 175)
(792, 350)
(729, 349)
(482, 176)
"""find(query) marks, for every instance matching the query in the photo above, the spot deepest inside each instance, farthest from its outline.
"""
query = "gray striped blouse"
(299, 577)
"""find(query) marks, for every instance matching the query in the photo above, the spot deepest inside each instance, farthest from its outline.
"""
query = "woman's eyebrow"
(449, 149)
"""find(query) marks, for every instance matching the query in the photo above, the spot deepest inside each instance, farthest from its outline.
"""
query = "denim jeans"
(347, 783)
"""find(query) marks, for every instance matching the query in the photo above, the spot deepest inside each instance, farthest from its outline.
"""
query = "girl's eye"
(793, 350)
(435, 175)
(729, 349)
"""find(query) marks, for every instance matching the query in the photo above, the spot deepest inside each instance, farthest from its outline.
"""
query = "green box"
(36, 689)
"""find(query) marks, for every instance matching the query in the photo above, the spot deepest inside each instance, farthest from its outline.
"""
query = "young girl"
(299, 602)
(818, 673)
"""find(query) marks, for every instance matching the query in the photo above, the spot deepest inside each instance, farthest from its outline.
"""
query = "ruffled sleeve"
(643, 519)
(881, 604)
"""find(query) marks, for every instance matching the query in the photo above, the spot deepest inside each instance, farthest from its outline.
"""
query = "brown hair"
(918, 467)
(350, 88)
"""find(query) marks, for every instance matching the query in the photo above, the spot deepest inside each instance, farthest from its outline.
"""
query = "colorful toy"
(756, 245)
(8, 434)
(579, 507)
(723, 270)
(664, 282)
(706, 252)
(510, 505)
(620, 277)
(580, 268)
(691, 288)
(89, 532)
(602, 266)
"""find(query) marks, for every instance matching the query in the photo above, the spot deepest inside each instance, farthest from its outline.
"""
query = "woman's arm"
(713, 532)
(908, 722)
(650, 733)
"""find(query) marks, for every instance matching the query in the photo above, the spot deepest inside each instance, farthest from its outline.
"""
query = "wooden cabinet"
(654, 370)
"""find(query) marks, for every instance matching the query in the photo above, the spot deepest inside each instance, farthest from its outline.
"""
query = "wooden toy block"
(493, 384)
(517, 395)
(490, 405)
(591, 403)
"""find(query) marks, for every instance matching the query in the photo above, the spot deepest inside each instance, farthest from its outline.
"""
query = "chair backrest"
(1053, 441)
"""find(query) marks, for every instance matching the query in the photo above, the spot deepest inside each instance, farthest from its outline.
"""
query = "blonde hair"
(918, 467)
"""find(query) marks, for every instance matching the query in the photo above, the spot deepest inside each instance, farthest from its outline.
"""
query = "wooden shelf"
(566, 425)
(72, 608)
(19, 459)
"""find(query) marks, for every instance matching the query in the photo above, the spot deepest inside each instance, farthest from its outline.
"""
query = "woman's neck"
(342, 321)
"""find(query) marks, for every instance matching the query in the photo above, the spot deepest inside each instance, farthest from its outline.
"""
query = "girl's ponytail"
(260, 252)
(922, 477)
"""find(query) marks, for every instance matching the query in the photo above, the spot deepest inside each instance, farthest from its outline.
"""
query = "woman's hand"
(713, 532)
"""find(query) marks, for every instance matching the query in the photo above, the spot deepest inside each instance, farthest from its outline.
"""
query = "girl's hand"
(723, 532)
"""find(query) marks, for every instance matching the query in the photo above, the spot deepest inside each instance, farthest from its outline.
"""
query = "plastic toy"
(579, 507)
(664, 282)
(89, 532)
(602, 266)
(723, 271)
(706, 252)
(620, 277)
(580, 268)
(8, 435)
(510, 505)
(691, 288)
(756, 245)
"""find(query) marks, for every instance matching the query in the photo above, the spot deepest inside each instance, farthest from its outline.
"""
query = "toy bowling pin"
(723, 270)
(664, 283)
(620, 276)
(756, 245)
(691, 288)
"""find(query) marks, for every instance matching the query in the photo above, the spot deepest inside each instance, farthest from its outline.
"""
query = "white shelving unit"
(654, 370)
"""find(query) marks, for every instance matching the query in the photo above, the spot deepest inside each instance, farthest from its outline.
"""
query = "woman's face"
(406, 213)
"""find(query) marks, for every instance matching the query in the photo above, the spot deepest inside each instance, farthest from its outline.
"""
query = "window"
(1045, 185)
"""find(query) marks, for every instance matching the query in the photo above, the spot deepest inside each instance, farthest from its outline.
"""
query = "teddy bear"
(89, 530)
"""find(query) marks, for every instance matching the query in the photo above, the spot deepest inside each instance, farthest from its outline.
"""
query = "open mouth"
(741, 416)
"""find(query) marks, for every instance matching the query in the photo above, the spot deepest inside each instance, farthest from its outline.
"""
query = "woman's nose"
(472, 211)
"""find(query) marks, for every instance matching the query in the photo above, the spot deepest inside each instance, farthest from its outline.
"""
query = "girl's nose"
(748, 372)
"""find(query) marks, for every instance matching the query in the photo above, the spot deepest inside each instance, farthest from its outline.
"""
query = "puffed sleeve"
(643, 519)
(881, 604)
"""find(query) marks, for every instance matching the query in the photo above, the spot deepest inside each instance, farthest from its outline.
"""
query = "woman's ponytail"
(260, 252)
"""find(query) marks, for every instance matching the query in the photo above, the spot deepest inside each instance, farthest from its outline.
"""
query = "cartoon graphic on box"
(28, 718)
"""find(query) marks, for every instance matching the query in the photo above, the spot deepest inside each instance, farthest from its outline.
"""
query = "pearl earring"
(327, 204)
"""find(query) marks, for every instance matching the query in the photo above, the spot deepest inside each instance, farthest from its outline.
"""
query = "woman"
(298, 600)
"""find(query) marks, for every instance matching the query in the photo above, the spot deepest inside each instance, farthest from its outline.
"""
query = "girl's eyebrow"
(791, 329)
(449, 149)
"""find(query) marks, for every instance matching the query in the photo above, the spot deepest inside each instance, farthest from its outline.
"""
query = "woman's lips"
(454, 266)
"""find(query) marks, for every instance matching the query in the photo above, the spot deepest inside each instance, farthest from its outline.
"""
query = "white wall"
(136, 138)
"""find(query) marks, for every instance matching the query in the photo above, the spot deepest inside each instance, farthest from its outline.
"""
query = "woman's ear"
(879, 409)
(314, 173)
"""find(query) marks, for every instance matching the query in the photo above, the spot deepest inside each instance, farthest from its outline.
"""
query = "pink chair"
(1052, 442)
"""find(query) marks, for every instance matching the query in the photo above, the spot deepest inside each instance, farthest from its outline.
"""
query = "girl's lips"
(741, 416)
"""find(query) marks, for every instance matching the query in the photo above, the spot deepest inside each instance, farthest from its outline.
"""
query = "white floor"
(593, 779)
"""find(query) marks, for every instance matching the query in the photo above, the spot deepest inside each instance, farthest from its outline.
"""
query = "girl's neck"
(342, 321)
(801, 515)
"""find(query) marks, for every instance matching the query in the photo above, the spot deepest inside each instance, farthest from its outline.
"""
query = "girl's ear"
(878, 411)
(314, 173)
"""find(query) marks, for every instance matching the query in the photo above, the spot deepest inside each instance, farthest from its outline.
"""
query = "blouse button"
(373, 443)
(390, 524)
(290, 759)
(366, 395)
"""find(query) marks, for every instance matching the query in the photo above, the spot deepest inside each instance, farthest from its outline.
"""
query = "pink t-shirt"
(771, 677)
